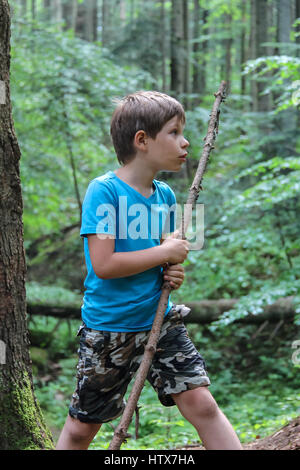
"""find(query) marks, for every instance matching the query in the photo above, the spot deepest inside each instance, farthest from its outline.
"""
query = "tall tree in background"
(284, 24)
(69, 11)
(21, 421)
(105, 23)
(196, 48)
(287, 120)
(228, 51)
(177, 47)
(199, 51)
(259, 36)
(297, 29)
(186, 52)
(87, 20)
(163, 46)
(243, 47)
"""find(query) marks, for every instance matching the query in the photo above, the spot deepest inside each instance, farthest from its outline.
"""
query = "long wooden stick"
(121, 430)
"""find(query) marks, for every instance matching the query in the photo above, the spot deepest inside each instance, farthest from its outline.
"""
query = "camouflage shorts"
(109, 360)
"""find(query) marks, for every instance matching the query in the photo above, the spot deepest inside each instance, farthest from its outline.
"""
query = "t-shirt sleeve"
(99, 210)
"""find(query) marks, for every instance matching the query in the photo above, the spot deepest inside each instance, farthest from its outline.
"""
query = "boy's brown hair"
(144, 110)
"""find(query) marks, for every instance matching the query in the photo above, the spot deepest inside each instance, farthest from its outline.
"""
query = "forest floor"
(287, 438)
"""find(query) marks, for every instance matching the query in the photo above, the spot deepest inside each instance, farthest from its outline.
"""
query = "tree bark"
(243, 50)
(90, 23)
(252, 47)
(105, 23)
(297, 29)
(196, 47)
(284, 24)
(69, 8)
(287, 119)
(163, 46)
(23, 8)
(204, 50)
(186, 60)
(177, 48)
(228, 53)
(21, 421)
(262, 101)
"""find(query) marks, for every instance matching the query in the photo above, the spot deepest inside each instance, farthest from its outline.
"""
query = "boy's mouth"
(183, 157)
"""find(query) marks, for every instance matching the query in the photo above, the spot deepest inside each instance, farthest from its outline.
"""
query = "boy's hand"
(176, 249)
(175, 275)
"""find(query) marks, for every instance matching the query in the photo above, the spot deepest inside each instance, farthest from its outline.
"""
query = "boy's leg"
(77, 435)
(200, 408)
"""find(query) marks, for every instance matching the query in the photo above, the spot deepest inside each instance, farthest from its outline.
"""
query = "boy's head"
(144, 110)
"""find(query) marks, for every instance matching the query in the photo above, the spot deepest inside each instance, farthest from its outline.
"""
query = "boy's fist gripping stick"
(178, 249)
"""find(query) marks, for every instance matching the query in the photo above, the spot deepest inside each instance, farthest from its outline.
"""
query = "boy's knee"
(79, 431)
(197, 403)
(207, 408)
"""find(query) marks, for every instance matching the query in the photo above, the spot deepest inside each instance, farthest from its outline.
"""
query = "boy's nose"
(185, 143)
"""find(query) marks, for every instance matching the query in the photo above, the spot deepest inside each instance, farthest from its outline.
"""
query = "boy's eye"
(174, 131)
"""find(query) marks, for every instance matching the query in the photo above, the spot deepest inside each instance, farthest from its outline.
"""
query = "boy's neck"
(137, 175)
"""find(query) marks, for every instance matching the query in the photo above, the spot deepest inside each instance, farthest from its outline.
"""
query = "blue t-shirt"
(113, 207)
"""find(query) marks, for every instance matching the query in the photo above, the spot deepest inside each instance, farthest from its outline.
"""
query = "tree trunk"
(177, 48)
(284, 24)
(122, 13)
(287, 119)
(163, 46)
(186, 60)
(263, 101)
(105, 23)
(21, 421)
(23, 8)
(57, 12)
(243, 50)
(228, 45)
(258, 36)
(70, 13)
(196, 47)
(33, 10)
(252, 47)
(297, 29)
(90, 23)
(204, 49)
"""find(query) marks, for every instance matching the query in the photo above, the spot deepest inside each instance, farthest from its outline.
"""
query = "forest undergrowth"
(253, 379)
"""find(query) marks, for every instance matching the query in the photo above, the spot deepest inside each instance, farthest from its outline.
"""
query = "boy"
(124, 256)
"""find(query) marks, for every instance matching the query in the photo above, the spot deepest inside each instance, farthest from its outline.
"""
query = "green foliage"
(285, 78)
(62, 91)
(253, 380)
(56, 336)
(38, 294)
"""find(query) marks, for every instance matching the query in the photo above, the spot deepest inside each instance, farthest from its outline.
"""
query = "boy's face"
(168, 151)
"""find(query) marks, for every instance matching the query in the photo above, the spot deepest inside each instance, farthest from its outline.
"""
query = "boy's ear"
(140, 140)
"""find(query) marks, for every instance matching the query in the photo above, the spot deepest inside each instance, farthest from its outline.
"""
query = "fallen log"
(207, 311)
(202, 312)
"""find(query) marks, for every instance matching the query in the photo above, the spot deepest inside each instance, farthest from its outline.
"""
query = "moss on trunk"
(22, 425)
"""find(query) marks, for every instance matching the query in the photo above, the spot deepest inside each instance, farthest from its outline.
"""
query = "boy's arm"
(108, 264)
